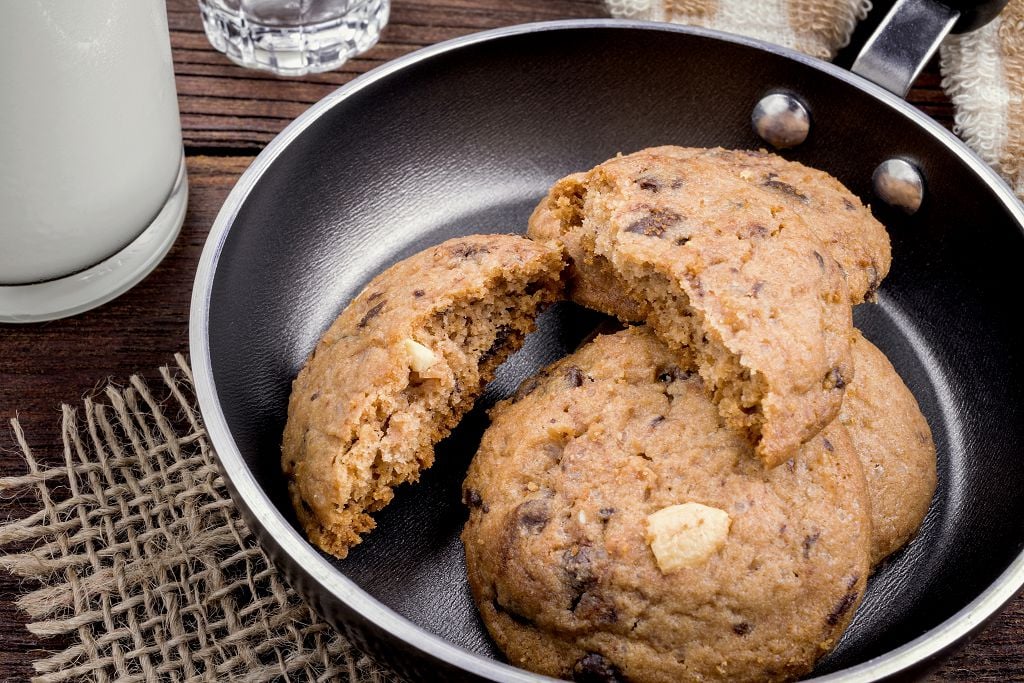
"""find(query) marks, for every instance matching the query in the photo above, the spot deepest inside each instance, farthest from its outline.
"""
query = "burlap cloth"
(137, 554)
(141, 561)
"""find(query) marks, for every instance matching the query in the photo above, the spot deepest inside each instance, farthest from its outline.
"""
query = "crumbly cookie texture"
(720, 264)
(617, 450)
(895, 446)
(852, 235)
(399, 368)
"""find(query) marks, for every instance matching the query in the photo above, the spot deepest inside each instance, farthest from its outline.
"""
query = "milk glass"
(92, 179)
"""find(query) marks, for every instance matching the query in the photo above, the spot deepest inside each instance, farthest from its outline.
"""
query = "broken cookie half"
(719, 267)
(397, 370)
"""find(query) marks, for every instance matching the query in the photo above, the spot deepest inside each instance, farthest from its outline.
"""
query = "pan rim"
(251, 497)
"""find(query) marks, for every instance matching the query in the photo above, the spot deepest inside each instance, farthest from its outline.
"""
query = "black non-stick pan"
(467, 136)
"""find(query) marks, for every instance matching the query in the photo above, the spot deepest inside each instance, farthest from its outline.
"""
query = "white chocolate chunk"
(420, 357)
(686, 535)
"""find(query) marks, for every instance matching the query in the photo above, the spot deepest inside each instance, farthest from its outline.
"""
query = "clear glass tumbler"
(293, 37)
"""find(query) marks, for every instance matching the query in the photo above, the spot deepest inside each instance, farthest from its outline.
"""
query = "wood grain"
(228, 114)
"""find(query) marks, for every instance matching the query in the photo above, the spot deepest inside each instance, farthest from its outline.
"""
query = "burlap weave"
(142, 561)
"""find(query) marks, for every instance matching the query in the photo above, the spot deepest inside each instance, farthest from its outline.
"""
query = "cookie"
(852, 235)
(895, 446)
(397, 370)
(618, 530)
(713, 263)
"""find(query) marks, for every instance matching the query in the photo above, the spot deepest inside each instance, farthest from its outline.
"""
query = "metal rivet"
(781, 120)
(898, 183)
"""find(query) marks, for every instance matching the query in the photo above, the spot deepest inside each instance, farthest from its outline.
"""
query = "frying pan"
(466, 136)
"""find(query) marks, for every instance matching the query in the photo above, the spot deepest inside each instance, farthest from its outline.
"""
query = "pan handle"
(911, 32)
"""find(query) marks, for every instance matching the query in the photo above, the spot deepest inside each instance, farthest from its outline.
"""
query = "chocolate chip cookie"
(399, 368)
(619, 530)
(895, 447)
(717, 264)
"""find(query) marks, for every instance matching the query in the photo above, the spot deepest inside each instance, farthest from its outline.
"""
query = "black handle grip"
(974, 13)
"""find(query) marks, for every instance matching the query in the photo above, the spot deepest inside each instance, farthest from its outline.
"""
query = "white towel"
(983, 71)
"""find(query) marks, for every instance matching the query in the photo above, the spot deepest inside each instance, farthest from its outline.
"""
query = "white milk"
(90, 140)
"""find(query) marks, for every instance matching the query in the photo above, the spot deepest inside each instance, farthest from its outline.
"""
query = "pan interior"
(469, 140)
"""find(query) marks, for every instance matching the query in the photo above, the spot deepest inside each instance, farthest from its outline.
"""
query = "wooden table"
(228, 114)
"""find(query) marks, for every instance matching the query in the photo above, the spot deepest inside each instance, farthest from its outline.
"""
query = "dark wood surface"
(228, 114)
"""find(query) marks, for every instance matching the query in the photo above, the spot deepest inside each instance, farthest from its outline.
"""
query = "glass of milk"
(92, 175)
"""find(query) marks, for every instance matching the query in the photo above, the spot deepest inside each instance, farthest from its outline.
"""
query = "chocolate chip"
(673, 373)
(418, 293)
(592, 607)
(680, 241)
(533, 515)
(574, 376)
(655, 223)
(526, 388)
(820, 259)
(649, 184)
(828, 445)
(771, 182)
(594, 668)
(834, 379)
(658, 420)
(874, 281)
(742, 628)
(370, 314)
(755, 231)
(578, 566)
(756, 289)
(464, 250)
(375, 295)
(471, 498)
(677, 183)
(605, 513)
(848, 205)
(809, 541)
(315, 396)
(842, 607)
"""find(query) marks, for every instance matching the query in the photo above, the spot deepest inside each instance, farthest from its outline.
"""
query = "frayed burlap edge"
(142, 562)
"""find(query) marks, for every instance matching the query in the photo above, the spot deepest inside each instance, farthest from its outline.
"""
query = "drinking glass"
(293, 37)
(92, 175)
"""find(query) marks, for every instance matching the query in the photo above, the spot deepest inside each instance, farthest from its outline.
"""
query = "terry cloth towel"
(815, 28)
(983, 74)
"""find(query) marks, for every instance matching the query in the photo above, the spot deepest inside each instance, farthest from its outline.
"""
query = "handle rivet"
(899, 183)
(781, 120)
